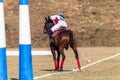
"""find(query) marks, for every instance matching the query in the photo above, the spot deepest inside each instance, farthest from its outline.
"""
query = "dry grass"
(107, 70)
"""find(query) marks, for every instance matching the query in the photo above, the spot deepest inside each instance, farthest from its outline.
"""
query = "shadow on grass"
(54, 70)
(13, 79)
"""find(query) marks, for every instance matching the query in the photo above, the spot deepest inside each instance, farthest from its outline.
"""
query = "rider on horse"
(59, 22)
(63, 39)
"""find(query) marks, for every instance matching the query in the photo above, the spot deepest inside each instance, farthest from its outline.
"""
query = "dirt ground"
(107, 70)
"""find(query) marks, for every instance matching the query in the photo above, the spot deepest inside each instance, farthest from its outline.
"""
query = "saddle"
(58, 31)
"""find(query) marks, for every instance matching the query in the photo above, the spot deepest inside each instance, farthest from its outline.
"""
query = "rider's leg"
(51, 37)
(53, 29)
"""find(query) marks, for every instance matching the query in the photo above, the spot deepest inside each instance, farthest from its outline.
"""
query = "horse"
(63, 40)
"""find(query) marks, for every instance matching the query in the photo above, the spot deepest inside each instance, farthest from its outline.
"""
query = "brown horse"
(62, 41)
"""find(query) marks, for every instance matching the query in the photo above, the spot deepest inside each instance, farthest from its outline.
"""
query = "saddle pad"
(56, 33)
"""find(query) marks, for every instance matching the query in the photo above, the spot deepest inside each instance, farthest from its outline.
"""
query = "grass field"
(42, 65)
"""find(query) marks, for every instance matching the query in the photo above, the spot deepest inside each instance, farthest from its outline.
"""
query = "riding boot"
(51, 37)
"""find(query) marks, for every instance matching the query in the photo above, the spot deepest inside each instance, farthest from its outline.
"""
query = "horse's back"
(64, 34)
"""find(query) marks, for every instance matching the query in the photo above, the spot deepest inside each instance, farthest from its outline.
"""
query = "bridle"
(47, 25)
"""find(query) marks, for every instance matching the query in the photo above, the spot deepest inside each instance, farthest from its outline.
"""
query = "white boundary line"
(16, 53)
(86, 66)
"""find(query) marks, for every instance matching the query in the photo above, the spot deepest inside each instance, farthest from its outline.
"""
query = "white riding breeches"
(58, 25)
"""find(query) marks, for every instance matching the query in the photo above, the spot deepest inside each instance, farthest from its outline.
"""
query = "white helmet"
(61, 14)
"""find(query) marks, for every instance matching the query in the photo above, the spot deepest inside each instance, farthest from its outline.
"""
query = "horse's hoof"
(80, 69)
(56, 69)
(61, 68)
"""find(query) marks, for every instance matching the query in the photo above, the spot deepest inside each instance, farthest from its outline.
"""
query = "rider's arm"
(54, 18)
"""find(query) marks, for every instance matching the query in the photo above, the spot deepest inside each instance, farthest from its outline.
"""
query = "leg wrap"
(78, 63)
(56, 64)
(62, 63)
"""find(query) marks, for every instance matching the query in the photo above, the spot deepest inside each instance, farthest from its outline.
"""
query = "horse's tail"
(65, 42)
(69, 39)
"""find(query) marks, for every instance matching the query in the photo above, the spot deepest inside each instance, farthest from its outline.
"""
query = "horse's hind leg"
(54, 59)
(74, 47)
(63, 58)
(58, 57)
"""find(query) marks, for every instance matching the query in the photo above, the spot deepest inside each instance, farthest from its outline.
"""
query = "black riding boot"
(51, 37)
